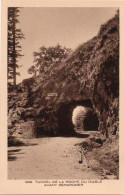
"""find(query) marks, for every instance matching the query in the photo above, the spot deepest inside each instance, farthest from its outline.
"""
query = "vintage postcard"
(61, 99)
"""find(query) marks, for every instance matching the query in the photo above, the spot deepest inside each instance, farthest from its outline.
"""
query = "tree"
(14, 47)
(48, 57)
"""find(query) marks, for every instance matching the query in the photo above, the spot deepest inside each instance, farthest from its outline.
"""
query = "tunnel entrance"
(84, 119)
(66, 117)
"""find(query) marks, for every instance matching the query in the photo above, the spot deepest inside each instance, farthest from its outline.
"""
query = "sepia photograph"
(61, 102)
(63, 93)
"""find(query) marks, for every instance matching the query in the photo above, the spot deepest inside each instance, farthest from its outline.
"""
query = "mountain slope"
(89, 77)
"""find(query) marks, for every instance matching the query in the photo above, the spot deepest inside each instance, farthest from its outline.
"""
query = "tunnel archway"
(65, 112)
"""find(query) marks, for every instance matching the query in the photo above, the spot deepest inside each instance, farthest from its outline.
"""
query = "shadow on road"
(78, 135)
(81, 135)
(12, 153)
(13, 141)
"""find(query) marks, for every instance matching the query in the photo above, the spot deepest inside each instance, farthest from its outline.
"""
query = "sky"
(69, 27)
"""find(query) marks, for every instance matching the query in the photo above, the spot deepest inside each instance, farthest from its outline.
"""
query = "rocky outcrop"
(89, 78)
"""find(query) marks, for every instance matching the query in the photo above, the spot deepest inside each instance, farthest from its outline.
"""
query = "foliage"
(14, 47)
(47, 57)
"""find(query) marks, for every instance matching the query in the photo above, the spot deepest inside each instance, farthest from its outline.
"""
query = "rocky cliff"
(43, 105)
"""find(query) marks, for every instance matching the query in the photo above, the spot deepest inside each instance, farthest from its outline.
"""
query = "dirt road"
(49, 158)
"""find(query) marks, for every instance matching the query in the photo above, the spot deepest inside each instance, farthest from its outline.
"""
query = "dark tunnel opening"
(66, 126)
(91, 122)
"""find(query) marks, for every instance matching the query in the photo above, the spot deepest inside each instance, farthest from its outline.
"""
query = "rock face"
(89, 78)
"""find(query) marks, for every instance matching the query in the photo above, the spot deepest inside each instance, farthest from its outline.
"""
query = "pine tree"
(14, 47)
